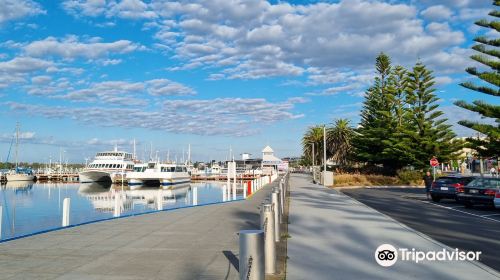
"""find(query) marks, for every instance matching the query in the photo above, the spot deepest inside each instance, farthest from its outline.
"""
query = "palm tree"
(339, 138)
(313, 136)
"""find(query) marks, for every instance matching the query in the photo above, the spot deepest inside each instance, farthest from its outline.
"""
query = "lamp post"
(314, 178)
(324, 154)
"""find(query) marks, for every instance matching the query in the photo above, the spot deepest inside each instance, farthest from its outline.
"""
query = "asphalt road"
(476, 229)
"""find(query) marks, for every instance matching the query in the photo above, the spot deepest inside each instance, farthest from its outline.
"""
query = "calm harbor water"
(33, 207)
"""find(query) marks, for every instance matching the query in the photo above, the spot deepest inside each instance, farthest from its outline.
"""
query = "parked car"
(449, 186)
(482, 191)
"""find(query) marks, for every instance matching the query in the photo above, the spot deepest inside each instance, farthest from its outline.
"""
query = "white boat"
(107, 166)
(19, 174)
(156, 173)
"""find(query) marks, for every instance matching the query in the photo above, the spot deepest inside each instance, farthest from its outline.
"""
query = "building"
(270, 163)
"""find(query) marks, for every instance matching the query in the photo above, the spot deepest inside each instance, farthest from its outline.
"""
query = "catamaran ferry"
(107, 166)
(156, 173)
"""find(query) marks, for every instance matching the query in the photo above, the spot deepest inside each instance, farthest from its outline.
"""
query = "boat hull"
(19, 177)
(165, 183)
(94, 176)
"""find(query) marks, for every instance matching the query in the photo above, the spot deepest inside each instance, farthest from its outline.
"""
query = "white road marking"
(491, 215)
(464, 212)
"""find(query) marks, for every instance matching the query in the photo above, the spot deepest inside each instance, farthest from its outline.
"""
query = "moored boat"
(107, 166)
(156, 173)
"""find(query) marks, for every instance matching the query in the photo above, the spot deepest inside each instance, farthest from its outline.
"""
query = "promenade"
(193, 243)
(333, 236)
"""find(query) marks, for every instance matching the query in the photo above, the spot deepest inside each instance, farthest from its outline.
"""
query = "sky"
(81, 76)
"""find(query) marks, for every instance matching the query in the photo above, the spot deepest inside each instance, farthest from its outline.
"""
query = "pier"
(191, 243)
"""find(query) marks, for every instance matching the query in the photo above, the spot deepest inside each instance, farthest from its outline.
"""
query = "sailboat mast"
(17, 144)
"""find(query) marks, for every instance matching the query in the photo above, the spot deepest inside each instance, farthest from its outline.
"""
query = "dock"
(191, 243)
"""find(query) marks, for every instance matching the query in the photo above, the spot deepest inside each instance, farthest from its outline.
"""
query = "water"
(33, 207)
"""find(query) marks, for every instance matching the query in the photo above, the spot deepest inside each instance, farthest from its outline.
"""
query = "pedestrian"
(428, 183)
(493, 171)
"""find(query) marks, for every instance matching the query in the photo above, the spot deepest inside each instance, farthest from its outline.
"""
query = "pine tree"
(489, 56)
(374, 117)
(431, 136)
(398, 150)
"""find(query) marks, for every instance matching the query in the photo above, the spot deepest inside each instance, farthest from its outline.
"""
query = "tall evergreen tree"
(374, 117)
(488, 56)
(397, 149)
(431, 136)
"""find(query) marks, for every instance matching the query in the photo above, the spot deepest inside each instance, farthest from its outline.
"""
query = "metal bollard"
(276, 207)
(282, 200)
(252, 258)
(195, 196)
(244, 190)
(66, 207)
(269, 244)
(279, 208)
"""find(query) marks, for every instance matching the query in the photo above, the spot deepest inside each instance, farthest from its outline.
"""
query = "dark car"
(449, 187)
(480, 191)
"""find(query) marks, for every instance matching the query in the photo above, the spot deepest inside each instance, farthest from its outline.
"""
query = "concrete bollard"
(269, 244)
(276, 206)
(234, 191)
(224, 193)
(244, 190)
(252, 258)
(159, 199)
(65, 216)
(195, 196)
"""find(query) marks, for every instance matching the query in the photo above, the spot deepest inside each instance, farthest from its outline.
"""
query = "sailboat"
(19, 174)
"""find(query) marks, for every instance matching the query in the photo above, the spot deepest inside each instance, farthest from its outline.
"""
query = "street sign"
(434, 162)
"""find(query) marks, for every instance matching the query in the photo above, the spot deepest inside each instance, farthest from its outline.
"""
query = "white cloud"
(71, 47)
(24, 65)
(258, 39)
(437, 12)
(17, 9)
(164, 87)
(40, 80)
(220, 116)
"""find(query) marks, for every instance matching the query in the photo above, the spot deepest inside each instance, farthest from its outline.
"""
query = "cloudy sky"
(82, 75)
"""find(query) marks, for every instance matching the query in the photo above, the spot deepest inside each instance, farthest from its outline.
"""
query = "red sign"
(434, 162)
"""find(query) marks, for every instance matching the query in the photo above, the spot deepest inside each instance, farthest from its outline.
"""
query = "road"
(475, 229)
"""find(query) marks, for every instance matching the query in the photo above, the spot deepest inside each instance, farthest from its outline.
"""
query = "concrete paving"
(333, 236)
(194, 243)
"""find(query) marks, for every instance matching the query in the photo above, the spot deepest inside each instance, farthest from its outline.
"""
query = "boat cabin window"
(178, 169)
(151, 165)
(184, 169)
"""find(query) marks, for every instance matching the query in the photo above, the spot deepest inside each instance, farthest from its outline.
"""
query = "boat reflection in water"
(19, 186)
(32, 207)
(116, 199)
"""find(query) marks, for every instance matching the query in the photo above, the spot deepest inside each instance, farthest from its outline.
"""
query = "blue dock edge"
(114, 218)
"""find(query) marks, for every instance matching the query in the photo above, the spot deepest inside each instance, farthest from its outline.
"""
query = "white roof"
(267, 149)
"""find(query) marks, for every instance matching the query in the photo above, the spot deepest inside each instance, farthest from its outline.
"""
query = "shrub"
(364, 180)
(409, 177)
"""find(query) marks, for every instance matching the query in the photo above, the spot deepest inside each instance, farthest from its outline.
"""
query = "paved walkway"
(334, 237)
(193, 243)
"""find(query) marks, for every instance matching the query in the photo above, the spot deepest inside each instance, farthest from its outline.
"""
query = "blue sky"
(80, 75)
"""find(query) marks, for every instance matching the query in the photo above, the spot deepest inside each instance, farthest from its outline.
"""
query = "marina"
(33, 207)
